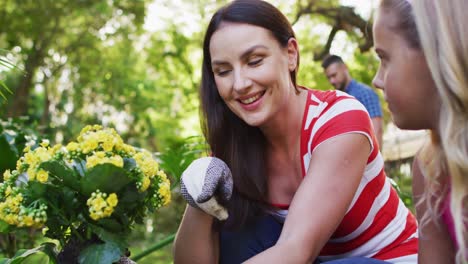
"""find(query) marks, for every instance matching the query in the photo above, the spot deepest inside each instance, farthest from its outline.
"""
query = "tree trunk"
(19, 105)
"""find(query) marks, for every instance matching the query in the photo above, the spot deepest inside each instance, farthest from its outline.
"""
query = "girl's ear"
(293, 53)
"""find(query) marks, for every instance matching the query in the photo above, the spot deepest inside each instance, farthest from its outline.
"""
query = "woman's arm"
(435, 245)
(336, 168)
(196, 241)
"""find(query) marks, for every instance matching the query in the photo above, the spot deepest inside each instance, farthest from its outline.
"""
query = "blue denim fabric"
(236, 247)
(356, 260)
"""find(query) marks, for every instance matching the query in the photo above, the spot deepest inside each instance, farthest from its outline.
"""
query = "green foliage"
(176, 158)
(100, 253)
(8, 65)
(93, 191)
(43, 254)
(401, 181)
(14, 135)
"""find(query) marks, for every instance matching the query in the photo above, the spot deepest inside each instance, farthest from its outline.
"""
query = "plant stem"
(160, 244)
(11, 245)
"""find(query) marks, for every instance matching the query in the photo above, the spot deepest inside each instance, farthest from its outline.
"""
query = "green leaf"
(106, 177)
(111, 225)
(44, 253)
(100, 253)
(50, 249)
(20, 252)
(36, 189)
(34, 258)
(61, 172)
(8, 154)
(4, 227)
(68, 199)
(110, 237)
(129, 196)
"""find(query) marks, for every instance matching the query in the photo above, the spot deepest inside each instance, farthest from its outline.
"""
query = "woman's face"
(252, 71)
(404, 77)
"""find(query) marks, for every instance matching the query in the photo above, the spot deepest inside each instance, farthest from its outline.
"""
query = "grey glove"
(202, 180)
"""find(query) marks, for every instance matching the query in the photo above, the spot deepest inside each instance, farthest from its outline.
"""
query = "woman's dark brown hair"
(241, 146)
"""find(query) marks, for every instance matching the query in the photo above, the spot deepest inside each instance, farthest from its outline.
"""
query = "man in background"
(338, 75)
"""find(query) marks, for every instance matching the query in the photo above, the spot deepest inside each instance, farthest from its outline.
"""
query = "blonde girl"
(423, 47)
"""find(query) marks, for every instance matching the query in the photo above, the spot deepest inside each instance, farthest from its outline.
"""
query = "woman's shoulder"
(337, 101)
(328, 96)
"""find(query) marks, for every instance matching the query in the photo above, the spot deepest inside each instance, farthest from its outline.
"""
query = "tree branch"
(342, 18)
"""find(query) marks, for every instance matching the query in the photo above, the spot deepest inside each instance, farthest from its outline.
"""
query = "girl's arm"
(196, 241)
(335, 171)
(435, 245)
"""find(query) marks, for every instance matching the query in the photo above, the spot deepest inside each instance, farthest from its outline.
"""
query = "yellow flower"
(45, 143)
(85, 130)
(28, 220)
(112, 200)
(55, 149)
(100, 208)
(147, 164)
(162, 175)
(145, 184)
(72, 146)
(30, 158)
(89, 144)
(108, 211)
(130, 150)
(6, 175)
(42, 154)
(98, 203)
(91, 161)
(8, 191)
(19, 163)
(27, 149)
(165, 192)
(108, 145)
(42, 176)
(94, 216)
(117, 161)
(11, 219)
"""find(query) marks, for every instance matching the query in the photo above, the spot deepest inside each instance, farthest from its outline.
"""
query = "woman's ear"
(293, 54)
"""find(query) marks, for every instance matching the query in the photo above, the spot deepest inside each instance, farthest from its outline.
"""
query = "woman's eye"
(221, 72)
(255, 61)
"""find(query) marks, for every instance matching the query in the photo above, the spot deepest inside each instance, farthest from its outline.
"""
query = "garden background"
(135, 66)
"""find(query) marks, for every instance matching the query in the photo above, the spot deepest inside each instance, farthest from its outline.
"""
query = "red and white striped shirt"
(377, 224)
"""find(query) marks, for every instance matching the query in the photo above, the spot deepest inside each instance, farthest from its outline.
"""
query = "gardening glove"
(206, 184)
(125, 260)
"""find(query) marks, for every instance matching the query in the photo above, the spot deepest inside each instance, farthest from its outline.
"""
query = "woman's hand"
(207, 184)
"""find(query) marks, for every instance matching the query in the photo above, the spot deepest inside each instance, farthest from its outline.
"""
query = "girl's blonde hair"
(443, 32)
(440, 29)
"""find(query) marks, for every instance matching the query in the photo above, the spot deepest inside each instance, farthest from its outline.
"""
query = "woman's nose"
(241, 81)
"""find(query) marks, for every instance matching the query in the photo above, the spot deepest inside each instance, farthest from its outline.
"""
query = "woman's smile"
(251, 102)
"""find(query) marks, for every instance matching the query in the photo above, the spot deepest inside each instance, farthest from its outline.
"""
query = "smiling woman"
(240, 64)
(307, 173)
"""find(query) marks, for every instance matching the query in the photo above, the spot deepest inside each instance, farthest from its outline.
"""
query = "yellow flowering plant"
(87, 194)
